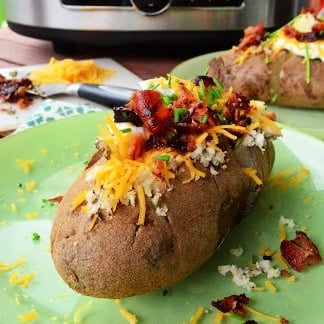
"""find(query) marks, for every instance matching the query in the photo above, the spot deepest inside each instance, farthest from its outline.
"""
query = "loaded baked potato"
(285, 67)
(181, 164)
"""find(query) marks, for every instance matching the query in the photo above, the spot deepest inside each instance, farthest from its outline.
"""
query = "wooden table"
(18, 50)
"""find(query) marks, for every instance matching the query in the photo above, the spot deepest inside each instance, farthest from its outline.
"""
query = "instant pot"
(176, 22)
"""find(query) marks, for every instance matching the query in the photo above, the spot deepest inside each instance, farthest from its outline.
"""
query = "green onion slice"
(308, 65)
(163, 157)
(177, 113)
(204, 119)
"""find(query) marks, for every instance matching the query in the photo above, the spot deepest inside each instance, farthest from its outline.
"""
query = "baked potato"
(285, 68)
(141, 218)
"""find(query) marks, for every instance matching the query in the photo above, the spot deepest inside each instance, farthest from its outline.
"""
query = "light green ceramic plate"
(59, 150)
(310, 121)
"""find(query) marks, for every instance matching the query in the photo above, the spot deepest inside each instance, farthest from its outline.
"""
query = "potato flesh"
(118, 258)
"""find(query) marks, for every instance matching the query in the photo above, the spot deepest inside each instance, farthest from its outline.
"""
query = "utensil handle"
(110, 96)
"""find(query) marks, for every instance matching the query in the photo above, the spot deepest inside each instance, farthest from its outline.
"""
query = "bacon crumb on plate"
(300, 251)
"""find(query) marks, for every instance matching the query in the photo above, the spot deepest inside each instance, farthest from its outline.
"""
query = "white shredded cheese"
(287, 222)
(242, 276)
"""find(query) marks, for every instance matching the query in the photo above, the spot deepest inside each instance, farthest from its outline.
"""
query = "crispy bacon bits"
(253, 35)
(14, 91)
(300, 252)
(232, 303)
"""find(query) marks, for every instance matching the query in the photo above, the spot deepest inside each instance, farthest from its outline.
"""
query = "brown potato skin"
(118, 258)
(284, 77)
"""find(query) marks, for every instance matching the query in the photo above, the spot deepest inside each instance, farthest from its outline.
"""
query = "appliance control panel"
(152, 7)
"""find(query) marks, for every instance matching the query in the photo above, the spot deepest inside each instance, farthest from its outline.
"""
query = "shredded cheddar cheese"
(7, 267)
(270, 286)
(288, 178)
(253, 174)
(195, 318)
(130, 317)
(137, 171)
(262, 315)
(25, 164)
(21, 281)
(78, 314)
(31, 215)
(28, 317)
(70, 71)
(78, 200)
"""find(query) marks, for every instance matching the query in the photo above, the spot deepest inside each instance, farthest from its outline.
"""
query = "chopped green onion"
(239, 142)
(218, 83)
(169, 80)
(36, 237)
(202, 90)
(308, 65)
(207, 70)
(20, 185)
(126, 130)
(177, 114)
(167, 100)
(163, 157)
(204, 119)
(274, 98)
(267, 59)
(153, 86)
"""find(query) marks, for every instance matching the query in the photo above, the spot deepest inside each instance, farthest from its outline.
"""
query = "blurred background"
(199, 25)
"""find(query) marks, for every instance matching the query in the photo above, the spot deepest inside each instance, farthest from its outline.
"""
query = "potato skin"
(118, 258)
(284, 77)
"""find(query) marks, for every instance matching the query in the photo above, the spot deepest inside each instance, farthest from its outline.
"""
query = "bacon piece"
(253, 35)
(56, 199)
(14, 91)
(136, 147)
(300, 251)
(237, 109)
(149, 107)
(234, 303)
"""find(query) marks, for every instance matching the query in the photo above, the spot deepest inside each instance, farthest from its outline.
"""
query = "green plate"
(59, 150)
(310, 121)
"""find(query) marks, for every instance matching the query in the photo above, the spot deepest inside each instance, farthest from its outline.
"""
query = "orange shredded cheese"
(281, 260)
(218, 318)
(195, 318)
(142, 205)
(270, 286)
(30, 186)
(70, 71)
(78, 200)
(13, 207)
(130, 317)
(252, 173)
(288, 178)
(262, 315)
(21, 281)
(25, 164)
(78, 314)
(28, 317)
(282, 231)
(31, 215)
(7, 267)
